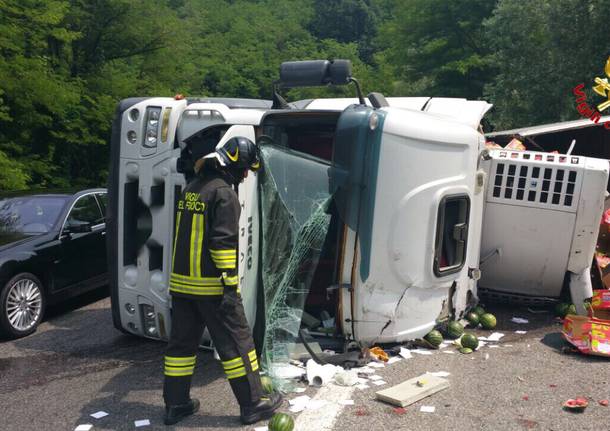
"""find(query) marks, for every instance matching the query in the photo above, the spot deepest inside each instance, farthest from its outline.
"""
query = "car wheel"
(22, 305)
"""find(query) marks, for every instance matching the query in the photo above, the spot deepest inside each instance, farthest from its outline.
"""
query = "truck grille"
(536, 184)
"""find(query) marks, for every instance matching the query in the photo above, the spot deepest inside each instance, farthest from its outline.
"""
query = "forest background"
(64, 64)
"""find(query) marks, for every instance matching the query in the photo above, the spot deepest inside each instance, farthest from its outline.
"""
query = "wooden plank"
(409, 392)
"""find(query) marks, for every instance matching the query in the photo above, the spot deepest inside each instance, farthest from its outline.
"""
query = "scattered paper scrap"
(346, 402)
(421, 351)
(439, 373)
(303, 399)
(394, 359)
(449, 352)
(405, 353)
(141, 423)
(83, 427)
(375, 377)
(494, 346)
(299, 390)
(99, 415)
(379, 382)
(265, 428)
(520, 332)
(366, 370)
(362, 386)
(519, 320)
(427, 409)
(376, 365)
(496, 336)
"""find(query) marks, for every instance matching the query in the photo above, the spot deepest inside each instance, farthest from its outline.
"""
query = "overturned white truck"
(369, 213)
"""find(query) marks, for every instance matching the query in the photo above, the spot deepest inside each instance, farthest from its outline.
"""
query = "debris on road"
(577, 405)
(83, 427)
(405, 353)
(427, 409)
(519, 320)
(495, 336)
(99, 415)
(379, 354)
(281, 422)
(488, 321)
(399, 410)
(141, 423)
(603, 403)
(320, 375)
(412, 390)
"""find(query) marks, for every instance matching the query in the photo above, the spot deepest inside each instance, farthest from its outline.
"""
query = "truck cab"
(366, 217)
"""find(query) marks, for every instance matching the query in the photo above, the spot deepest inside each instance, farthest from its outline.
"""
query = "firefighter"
(204, 287)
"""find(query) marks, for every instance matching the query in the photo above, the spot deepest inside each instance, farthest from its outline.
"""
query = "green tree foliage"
(543, 49)
(64, 64)
(437, 47)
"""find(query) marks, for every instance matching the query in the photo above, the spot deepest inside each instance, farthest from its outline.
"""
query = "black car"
(52, 246)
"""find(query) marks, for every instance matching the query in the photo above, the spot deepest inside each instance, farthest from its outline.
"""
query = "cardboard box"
(590, 335)
(601, 300)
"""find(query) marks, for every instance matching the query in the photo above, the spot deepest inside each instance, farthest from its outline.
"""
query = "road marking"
(323, 419)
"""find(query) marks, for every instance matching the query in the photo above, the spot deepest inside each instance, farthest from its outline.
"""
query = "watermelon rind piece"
(469, 341)
(465, 350)
(473, 319)
(281, 422)
(267, 384)
(434, 337)
(479, 310)
(454, 329)
(488, 321)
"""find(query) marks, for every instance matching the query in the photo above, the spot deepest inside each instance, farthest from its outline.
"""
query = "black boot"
(175, 413)
(262, 410)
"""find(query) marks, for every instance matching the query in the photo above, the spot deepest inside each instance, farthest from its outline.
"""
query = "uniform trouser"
(232, 338)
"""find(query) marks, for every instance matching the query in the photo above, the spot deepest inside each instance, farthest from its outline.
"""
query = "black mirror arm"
(358, 90)
(278, 101)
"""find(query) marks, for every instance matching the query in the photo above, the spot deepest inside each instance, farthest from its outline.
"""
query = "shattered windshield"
(295, 200)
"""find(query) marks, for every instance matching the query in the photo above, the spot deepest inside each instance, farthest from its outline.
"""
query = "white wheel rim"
(23, 304)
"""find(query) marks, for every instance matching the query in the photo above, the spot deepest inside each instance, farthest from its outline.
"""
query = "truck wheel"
(22, 305)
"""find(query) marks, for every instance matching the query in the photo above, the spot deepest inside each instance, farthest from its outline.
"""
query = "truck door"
(403, 182)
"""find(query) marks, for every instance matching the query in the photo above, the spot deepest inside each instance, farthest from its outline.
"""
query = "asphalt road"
(77, 364)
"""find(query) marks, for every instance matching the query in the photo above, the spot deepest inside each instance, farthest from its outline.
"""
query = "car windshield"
(29, 214)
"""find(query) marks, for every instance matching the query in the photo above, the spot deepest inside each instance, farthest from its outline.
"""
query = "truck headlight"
(153, 113)
(148, 320)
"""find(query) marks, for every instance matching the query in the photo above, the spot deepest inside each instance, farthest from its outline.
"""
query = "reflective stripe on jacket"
(204, 257)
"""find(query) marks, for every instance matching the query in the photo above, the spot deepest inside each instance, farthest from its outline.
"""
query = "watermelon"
(434, 337)
(466, 350)
(281, 422)
(469, 341)
(572, 309)
(479, 310)
(561, 309)
(267, 384)
(488, 321)
(454, 329)
(473, 319)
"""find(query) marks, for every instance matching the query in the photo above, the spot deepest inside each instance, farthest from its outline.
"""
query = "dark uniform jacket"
(204, 259)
